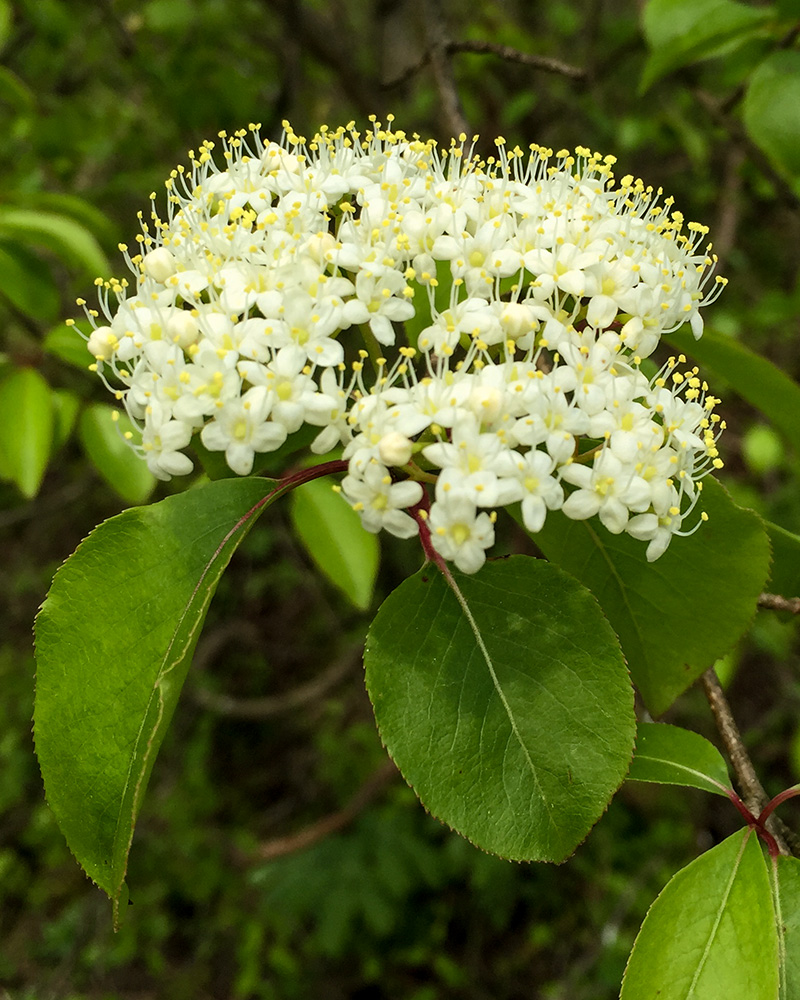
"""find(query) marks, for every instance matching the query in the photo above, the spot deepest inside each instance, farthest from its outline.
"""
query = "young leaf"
(676, 616)
(114, 640)
(332, 534)
(772, 109)
(26, 429)
(509, 711)
(786, 900)
(123, 470)
(681, 32)
(753, 376)
(710, 935)
(669, 755)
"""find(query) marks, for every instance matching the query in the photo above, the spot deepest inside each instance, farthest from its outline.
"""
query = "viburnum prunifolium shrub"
(453, 335)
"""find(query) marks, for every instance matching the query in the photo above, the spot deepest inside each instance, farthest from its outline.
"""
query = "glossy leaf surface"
(670, 755)
(786, 898)
(710, 935)
(114, 640)
(676, 616)
(332, 534)
(509, 711)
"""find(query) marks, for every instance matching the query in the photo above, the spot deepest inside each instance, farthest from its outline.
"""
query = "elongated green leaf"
(753, 376)
(772, 109)
(114, 640)
(785, 574)
(507, 707)
(681, 32)
(111, 455)
(710, 935)
(669, 755)
(332, 534)
(26, 428)
(64, 236)
(27, 283)
(676, 616)
(786, 899)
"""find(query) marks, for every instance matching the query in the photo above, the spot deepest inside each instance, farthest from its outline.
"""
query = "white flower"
(379, 501)
(273, 297)
(241, 428)
(459, 533)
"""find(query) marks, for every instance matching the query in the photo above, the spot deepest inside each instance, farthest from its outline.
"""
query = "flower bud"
(395, 448)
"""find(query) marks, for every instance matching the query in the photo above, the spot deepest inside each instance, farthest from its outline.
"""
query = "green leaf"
(334, 537)
(65, 342)
(676, 616)
(786, 900)
(771, 109)
(681, 32)
(65, 412)
(26, 429)
(114, 640)
(506, 706)
(27, 283)
(70, 240)
(710, 935)
(102, 438)
(669, 755)
(785, 574)
(753, 376)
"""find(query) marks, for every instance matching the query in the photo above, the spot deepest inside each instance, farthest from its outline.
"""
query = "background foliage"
(277, 854)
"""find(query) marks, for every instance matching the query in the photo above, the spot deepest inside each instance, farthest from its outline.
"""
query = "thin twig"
(309, 835)
(755, 797)
(775, 602)
(546, 63)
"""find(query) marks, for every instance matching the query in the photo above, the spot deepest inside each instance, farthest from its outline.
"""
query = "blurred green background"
(276, 855)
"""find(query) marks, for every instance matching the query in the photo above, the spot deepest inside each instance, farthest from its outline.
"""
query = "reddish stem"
(789, 793)
(758, 824)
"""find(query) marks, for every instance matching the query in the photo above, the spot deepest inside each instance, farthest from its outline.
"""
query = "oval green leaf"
(772, 109)
(508, 708)
(102, 438)
(114, 640)
(710, 935)
(65, 412)
(26, 429)
(669, 755)
(333, 536)
(677, 616)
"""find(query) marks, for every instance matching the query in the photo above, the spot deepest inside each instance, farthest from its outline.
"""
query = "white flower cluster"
(495, 314)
